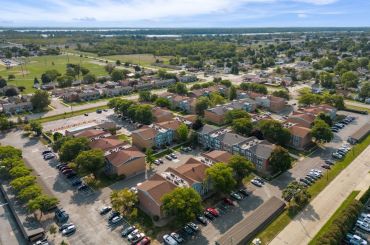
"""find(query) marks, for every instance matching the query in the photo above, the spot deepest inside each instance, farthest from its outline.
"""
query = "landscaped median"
(69, 114)
(283, 220)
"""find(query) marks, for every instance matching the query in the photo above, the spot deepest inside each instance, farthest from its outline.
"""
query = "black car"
(244, 192)
(188, 230)
(113, 214)
(60, 165)
(326, 166)
(329, 162)
(77, 182)
(71, 175)
(64, 226)
(127, 231)
(46, 152)
(105, 210)
(209, 215)
(202, 219)
(82, 187)
(260, 180)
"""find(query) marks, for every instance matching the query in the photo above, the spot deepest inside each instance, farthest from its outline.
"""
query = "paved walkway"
(306, 225)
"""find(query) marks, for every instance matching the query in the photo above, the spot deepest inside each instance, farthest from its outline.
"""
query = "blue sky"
(184, 13)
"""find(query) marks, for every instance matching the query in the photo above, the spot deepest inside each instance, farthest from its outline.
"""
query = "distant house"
(188, 79)
(127, 161)
(180, 102)
(108, 144)
(269, 102)
(16, 104)
(217, 114)
(221, 89)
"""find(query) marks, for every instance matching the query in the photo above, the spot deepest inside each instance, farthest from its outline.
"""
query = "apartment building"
(300, 136)
(154, 135)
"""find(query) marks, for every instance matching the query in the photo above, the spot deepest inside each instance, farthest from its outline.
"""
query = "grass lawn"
(283, 220)
(357, 108)
(342, 207)
(35, 66)
(124, 137)
(141, 59)
(69, 114)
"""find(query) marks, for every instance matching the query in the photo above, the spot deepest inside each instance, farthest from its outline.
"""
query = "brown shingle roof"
(106, 143)
(192, 171)
(299, 131)
(174, 124)
(157, 187)
(90, 133)
(218, 156)
(146, 133)
(124, 156)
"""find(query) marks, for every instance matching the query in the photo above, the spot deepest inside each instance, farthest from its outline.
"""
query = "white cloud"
(302, 15)
(317, 2)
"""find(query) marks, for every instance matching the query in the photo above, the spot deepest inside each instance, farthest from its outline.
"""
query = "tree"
(143, 114)
(117, 75)
(216, 99)
(145, 96)
(181, 88)
(183, 202)
(109, 68)
(149, 157)
(221, 177)
(163, 102)
(72, 147)
(299, 201)
(197, 124)
(3, 82)
(89, 78)
(123, 201)
(326, 118)
(240, 165)
(29, 192)
(309, 99)
(242, 126)
(349, 79)
(36, 127)
(19, 171)
(326, 80)
(321, 131)
(280, 160)
(40, 100)
(365, 90)
(118, 62)
(201, 105)
(10, 152)
(11, 91)
(90, 161)
(84, 71)
(232, 93)
(236, 114)
(43, 203)
(281, 93)
(274, 131)
(22, 182)
(65, 81)
(50, 76)
(183, 132)
(5, 124)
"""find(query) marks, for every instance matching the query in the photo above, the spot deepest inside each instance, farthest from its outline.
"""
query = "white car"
(365, 215)
(356, 240)
(362, 225)
(133, 234)
(256, 183)
(116, 220)
(70, 229)
(169, 240)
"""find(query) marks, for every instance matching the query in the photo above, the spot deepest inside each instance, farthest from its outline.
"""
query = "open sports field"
(35, 66)
(141, 59)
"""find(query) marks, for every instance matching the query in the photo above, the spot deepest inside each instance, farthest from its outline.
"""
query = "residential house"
(161, 115)
(153, 135)
(91, 134)
(221, 89)
(108, 144)
(188, 79)
(302, 119)
(217, 114)
(269, 102)
(217, 156)
(300, 136)
(116, 91)
(183, 103)
(16, 104)
(163, 83)
(128, 161)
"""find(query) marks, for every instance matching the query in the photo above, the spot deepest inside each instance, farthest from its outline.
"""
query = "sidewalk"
(305, 225)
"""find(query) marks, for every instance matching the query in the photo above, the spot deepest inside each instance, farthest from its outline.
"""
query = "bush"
(365, 196)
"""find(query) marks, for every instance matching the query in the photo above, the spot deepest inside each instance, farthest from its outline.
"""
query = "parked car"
(244, 192)
(160, 160)
(168, 157)
(202, 219)
(173, 155)
(82, 187)
(99, 111)
(236, 196)
(354, 239)
(177, 237)
(144, 241)
(133, 234)
(105, 210)
(127, 231)
(69, 230)
(77, 182)
(137, 238)
(337, 155)
(86, 114)
(229, 201)
(256, 183)
(363, 225)
(169, 240)
(188, 230)
(213, 211)
(329, 162)
(326, 166)
(67, 171)
(116, 220)
(209, 215)
(60, 165)
(156, 162)
(64, 226)
(46, 152)
(113, 214)
(49, 156)
(193, 226)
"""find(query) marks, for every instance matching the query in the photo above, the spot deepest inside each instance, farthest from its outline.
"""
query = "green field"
(35, 66)
(141, 59)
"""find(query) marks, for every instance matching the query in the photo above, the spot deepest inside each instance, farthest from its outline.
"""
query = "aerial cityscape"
(184, 122)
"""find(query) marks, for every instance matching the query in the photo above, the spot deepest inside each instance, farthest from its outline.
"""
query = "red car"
(145, 241)
(229, 201)
(213, 211)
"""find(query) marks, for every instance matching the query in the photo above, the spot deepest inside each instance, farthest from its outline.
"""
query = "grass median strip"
(283, 220)
(337, 213)
(69, 114)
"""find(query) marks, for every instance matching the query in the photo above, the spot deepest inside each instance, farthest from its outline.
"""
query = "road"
(305, 225)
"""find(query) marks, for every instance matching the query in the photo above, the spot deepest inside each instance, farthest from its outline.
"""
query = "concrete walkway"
(306, 225)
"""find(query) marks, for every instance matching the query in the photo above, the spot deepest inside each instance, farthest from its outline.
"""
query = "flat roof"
(243, 231)
(361, 132)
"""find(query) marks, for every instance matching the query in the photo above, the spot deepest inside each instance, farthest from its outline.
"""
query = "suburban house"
(217, 156)
(163, 83)
(217, 114)
(153, 135)
(161, 115)
(300, 136)
(108, 144)
(316, 110)
(188, 79)
(257, 151)
(302, 119)
(269, 102)
(16, 104)
(116, 91)
(128, 161)
(189, 174)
